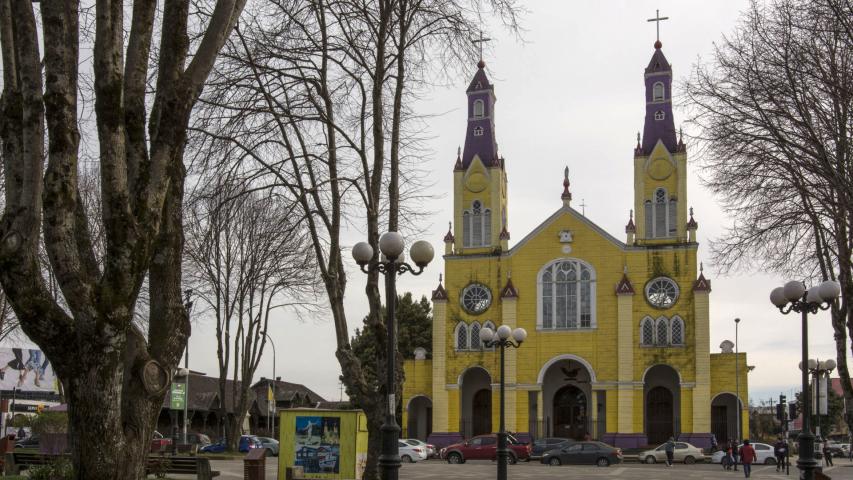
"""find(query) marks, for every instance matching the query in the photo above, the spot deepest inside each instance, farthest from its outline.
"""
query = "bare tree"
(246, 257)
(310, 99)
(114, 376)
(775, 112)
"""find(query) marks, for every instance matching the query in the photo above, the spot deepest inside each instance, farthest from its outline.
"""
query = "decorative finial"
(691, 211)
(625, 269)
(440, 278)
(567, 195)
(458, 151)
(631, 214)
(449, 226)
(680, 134)
(508, 273)
(701, 267)
(638, 139)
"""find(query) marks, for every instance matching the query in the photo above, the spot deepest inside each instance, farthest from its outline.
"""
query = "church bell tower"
(480, 183)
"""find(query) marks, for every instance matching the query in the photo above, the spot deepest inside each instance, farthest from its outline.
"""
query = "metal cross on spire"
(657, 20)
(479, 42)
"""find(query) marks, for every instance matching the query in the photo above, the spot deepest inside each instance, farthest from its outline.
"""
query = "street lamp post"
(818, 369)
(273, 407)
(501, 338)
(188, 305)
(737, 385)
(391, 264)
(794, 297)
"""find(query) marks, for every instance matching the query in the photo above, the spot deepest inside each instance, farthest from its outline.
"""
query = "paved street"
(438, 470)
(535, 471)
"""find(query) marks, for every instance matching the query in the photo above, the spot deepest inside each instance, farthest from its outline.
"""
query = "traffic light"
(793, 410)
(780, 412)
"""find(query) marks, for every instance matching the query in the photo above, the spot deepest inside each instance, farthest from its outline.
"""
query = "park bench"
(164, 464)
(22, 460)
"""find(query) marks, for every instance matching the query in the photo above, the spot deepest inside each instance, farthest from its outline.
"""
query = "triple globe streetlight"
(391, 264)
(793, 297)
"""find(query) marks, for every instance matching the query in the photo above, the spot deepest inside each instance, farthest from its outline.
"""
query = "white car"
(763, 454)
(411, 453)
(430, 449)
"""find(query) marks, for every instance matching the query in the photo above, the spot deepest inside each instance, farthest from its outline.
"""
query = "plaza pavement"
(484, 470)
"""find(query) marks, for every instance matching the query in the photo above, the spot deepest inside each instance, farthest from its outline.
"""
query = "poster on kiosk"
(324, 443)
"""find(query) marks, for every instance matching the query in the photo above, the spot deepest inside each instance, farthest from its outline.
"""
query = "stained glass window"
(475, 337)
(662, 292)
(648, 332)
(662, 332)
(461, 336)
(476, 298)
(677, 331)
(567, 295)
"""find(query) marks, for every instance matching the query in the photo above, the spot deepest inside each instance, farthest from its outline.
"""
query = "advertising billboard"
(27, 370)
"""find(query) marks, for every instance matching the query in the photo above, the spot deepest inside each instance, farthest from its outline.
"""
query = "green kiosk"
(325, 443)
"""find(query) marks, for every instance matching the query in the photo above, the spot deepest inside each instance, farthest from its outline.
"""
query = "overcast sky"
(570, 94)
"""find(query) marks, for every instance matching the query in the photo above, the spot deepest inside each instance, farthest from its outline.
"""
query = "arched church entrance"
(662, 393)
(420, 418)
(724, 417)
(567, 398)
(476, 402)
(570, 413)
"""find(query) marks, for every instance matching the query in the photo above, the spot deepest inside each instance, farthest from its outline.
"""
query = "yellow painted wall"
(723, 381)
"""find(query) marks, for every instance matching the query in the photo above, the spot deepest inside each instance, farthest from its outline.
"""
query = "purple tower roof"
(659, 124)
(480, 131)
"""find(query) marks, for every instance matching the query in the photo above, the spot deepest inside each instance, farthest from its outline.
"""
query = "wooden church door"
(481, 412)
(659, 418)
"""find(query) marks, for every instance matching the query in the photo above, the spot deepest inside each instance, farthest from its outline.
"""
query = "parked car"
(542, 445)
(159, 443)
(246, 442)
(763, 454)
(29, 442)
(411, 453)
(483, 447)
(271, 445)
(684, 452)
(583, 453)
(430, 449)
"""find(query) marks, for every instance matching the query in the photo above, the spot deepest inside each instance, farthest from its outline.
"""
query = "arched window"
(477, 226)
(461, 336)
(478, 131)
(479, 108)
(662, 337)
(566, 295)
(677, 327)
(661, 215)
(647, 331)
(657, 92)
(660, 212)
(673, 205)
(475, 337)
(650, 219)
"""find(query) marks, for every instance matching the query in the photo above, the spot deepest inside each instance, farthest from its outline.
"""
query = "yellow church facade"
(618, 345)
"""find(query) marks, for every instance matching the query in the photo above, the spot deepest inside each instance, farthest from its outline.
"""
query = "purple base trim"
(625, 440)
(523, 437)
(701, 440)
(443, 439)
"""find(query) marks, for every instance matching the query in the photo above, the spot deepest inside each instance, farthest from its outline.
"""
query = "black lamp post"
(501, 338)
(794, 297)
(391, 264)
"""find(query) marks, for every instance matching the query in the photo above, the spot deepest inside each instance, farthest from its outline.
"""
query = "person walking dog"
(747, 456)
(669, 448)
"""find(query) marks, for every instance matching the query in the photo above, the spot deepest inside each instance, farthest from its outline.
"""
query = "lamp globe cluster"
(391, 245)
(503, 333)
(793, 291)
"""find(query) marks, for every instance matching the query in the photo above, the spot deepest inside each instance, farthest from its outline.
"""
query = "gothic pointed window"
(478, 131)
(461, 336)
(475, 337)
(677, 327)
(647, 332)
(657, 92)
(660, 213)
(662, 330)
(566, 296)
(487, 228)
(650, 219)
(659, 115)
(673, 206)
(477, 224)
(466, 228)
(479, 108)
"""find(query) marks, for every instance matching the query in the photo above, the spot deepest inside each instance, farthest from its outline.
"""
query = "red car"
(483, 447)
(159, 443)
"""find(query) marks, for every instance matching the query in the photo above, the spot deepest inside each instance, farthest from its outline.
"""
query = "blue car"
(247, 442)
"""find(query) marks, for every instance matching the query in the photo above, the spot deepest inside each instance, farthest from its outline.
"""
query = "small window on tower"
(659, 115)
(478, 131)
(479, 108)
(657, 92)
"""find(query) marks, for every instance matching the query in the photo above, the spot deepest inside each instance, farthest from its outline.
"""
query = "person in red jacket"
(747, 456)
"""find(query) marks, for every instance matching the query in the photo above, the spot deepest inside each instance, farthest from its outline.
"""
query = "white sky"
(570, 94)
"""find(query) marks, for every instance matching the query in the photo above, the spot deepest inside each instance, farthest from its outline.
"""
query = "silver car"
(430, 449)
(763, 454)
(411, 453)
(683, 453)
(271, 445)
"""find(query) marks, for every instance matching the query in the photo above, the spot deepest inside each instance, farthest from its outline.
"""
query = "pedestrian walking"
(735, 454)
(669, 448)
(827, 454)
(780, 450)
(747, 456)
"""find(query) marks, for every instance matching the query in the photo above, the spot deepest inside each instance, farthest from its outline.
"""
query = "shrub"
(59, 469)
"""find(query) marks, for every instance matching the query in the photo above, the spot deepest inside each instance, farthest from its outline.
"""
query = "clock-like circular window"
(662, 292)
(476, 298)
